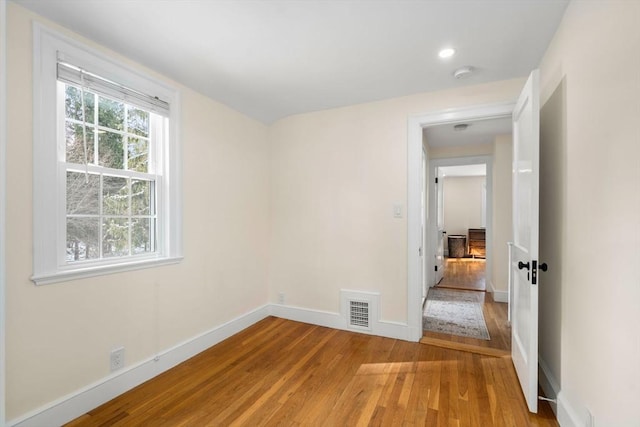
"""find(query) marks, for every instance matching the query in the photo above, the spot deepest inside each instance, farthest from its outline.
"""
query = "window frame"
(49, 168)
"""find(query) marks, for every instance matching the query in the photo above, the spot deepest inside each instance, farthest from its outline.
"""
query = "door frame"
(432, 223)
(415, 124)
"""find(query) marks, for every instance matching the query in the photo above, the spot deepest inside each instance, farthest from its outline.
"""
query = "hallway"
(469, 274)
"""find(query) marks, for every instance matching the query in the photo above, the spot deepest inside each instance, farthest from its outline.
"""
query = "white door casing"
(415, 124)
(524, 256)
(440, 231)
(424, 262)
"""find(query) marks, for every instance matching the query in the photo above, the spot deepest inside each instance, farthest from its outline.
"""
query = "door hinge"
(436, 180)
(436, 268)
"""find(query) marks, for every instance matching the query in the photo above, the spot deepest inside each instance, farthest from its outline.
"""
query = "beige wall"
(461, 151)
(462, 204)
(590, 204)
(335, 176)
(502, 225)
(59, 336)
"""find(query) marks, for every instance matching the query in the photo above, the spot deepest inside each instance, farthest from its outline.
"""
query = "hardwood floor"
(495, 316)
(464, 273)
(280, 372)
(469, 274)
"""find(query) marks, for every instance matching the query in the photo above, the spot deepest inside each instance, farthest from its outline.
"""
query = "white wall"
(502, 222)
(335, 176)
(59, 336)
(462, 205)
(590, 221)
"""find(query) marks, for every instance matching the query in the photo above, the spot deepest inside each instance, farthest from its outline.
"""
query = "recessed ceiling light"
(446, 53)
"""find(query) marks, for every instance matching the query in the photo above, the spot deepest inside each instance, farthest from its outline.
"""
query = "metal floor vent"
(359, 314)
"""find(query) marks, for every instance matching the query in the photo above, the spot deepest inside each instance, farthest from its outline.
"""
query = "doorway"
(461, 227)
(417, 259)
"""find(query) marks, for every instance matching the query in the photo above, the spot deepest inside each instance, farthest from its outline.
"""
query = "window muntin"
(144, 228)
(110, 210)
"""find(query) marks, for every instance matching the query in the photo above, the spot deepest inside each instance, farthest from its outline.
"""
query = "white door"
(524, 257)
(441, 233)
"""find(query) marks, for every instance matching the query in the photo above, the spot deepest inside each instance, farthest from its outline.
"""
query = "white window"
(106, 164)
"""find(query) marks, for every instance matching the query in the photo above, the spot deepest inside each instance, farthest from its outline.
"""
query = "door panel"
(524, 252)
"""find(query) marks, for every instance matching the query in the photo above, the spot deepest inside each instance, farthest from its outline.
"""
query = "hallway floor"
(469, 274)
(464, 273)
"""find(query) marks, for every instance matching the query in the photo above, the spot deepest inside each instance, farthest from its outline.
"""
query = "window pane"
(115, 196)
(110, 150)
(110, 113)
(141, 235)
(75, 144)
(141, 198)
(138, 154)
(82, 238)
(115, 237)
(83, 194)
(138, 121)
(73, 104)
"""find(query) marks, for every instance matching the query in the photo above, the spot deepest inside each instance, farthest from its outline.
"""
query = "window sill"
(93, 271)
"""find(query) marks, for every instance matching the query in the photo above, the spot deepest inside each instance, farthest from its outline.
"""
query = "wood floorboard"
(465, 274)
(284, 373)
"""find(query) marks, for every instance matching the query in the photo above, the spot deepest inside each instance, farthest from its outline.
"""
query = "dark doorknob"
(522, 265)
(543, 266)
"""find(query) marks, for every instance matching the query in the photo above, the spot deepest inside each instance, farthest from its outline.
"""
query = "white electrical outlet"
(280, 297)
(117, 359)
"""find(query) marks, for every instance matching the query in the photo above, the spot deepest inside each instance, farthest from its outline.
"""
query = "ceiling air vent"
(359, 314)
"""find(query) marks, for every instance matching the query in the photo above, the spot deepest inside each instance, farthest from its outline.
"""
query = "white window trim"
(48, 45)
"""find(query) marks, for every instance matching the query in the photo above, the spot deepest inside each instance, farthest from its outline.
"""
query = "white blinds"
(71, 74)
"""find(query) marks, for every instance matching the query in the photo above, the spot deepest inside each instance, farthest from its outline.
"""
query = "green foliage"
(121, 130)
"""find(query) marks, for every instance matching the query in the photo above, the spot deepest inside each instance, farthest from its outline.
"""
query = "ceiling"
(271, 59)
(477, 132)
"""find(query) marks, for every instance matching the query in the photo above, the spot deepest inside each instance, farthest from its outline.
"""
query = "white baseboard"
(498, 296)
(336, 321)
(80, 402)
(566, 414)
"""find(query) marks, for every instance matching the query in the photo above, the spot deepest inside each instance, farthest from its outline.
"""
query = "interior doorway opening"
(460, 239)
(461, 224)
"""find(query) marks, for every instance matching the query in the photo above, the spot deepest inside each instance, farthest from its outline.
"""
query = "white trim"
(48, 195)
(83, 273)
(566, 414)
(80, 402)
(432, 225)
(414, 158)
(339, 321)
(3, 201)
(498, 296)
